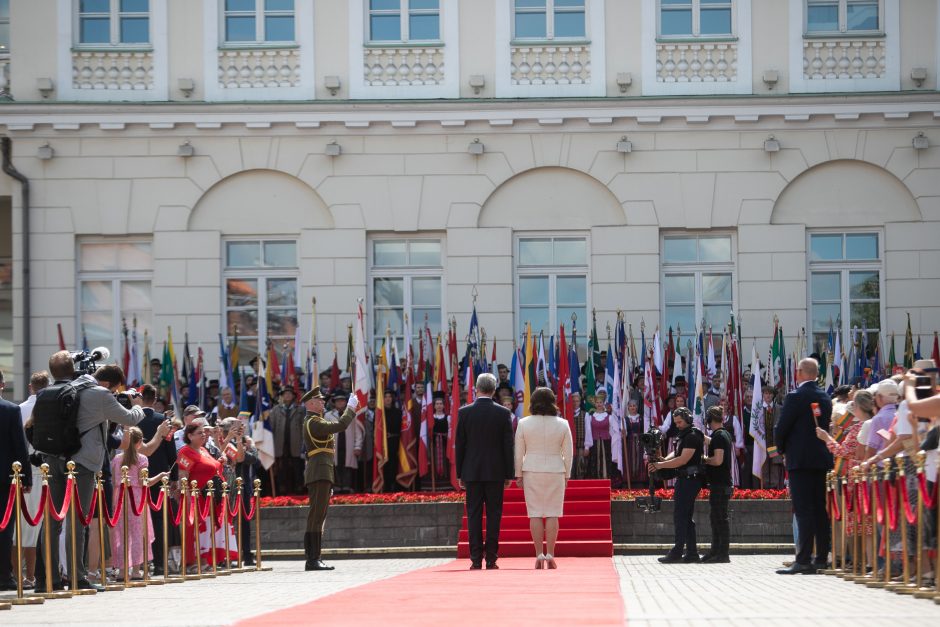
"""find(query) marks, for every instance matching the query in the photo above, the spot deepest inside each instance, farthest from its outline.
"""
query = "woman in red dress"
(197, 464)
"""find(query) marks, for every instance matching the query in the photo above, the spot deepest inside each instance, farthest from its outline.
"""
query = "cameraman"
(97, 406)
(718, 470)
(687, 460)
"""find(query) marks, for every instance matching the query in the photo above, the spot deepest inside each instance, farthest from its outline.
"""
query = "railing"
(550, 65)
(127, 70)
(259, 68)
(4, 74)
(843, 58)
(696, 62)
(403, 66)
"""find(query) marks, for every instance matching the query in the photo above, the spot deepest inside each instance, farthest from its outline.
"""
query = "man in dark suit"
(807, 460)
(484, 467)
(12, 449)
(163, 459)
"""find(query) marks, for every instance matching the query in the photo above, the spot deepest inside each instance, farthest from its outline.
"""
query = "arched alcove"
(260, 202)
(551, 198)
(845, 193)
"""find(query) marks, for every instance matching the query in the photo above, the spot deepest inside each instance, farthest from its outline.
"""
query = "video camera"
(86, 362)
(652, 443)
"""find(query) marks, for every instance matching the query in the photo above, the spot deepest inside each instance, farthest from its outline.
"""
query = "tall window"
(406, 280)
(549, 19)
(698, 279)
(843, 16)
(261, 294)
(552, 282)
(114, 285)
(6, 293)
(114, 22)
(845, 284)
(4, 26)
(258, 21)
(404, 20)
(696, 18)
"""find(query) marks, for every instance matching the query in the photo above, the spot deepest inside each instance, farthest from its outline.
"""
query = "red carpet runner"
(584, 530)
(583, 591)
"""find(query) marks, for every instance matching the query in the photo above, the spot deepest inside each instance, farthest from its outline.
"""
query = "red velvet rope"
(82, 518)
(909, 512)
(834, 501)
(254, 508)
(203, 507)
(113, 520)
(156, 507)
(930, 500)
(891, 494)
(866, 497)
(849, 499)
(879, 505)
(137, 511)
(59, 515)
(234, 512)
(178, 516)
(32, 521)
(11, 501)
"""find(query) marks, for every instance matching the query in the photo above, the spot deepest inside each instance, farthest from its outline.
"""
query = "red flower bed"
(458, 497)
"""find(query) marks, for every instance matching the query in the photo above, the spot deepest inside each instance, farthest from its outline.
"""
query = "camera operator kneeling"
(718, 471)
(687, 460)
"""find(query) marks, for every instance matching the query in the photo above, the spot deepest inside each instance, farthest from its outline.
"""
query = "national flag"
(917, 355)
(126, 356)
(225, 380)
(564, 381)
(407, 444)
(201, 374)
(61, 337)
(261, 431)
(168, 372)
(590, 380)
(363, 376)
(313, 365)
(712, 364)
(493, 362)
(650, 406)
(452, 431)
(421, 365)
(380, 442)
(243, 405)
(233, 355)
(427, 429)
(892, 360)
(146, 378)
(530, 375)
(838, 372)
(134, 374)
(440, 367)
(609, 373)
(935, 353)
(908, 345)
(517, 381)
(541, 372)
(775, 377)
(698, 407)
(290, 375)
(270, 369)
(334, 370)
(594, 347)
(468, 384)
(757, 427)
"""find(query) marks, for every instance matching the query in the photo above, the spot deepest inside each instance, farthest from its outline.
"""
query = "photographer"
(687, 460)
(718, 471)
(97, 406)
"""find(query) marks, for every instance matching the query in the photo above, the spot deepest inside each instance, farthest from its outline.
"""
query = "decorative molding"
(113, 70)
(5, 75)
(259, 68)
(845, 64)
(550, 64)
(398, 66)
(551, 69)
(695, 62)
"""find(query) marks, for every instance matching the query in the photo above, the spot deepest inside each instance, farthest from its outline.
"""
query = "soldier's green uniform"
(319, 436)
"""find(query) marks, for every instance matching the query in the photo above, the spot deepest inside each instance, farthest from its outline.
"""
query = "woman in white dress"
(543, 455)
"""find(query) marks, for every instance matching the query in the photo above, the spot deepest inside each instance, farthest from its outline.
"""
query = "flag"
(756, 429)
(892, 360)
(168, 372)
(363, 376)
(233, 355)
(313, 366)
(452, 431)
(468, 384)
(133, 374)
(61, 337)
(261, 431)
(334, 370)
(917, 355)
(564, 382)
(712, 364)
(530, 376)
(590, 380)
(935, 353)
(698, 408)
(908, 345)
(126, 357)
(270, 369)
(225, 380)
(146, 361)
(839, 373)
(517, 381)
(380, 443)
(84, 340)
(201, 373)
(427, 428)
(650, 406)
(776, 360)
(290, 375)
(609, 373)
(407, 445)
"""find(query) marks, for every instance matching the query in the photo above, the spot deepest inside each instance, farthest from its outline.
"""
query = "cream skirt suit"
(543, 459)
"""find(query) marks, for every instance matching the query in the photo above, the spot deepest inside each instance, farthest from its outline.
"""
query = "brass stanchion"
(921, 591)
(210, 526)
(842, 482)
(73, 532)
(886, 531)
(227, 567)
(867, 549)
(849, 487)
(905, 586)
(257, 495)
(47, 542)
(194, 490)
(184, 498)
(164, 509)
(20, 599)
(871, 490)
(830, 499)
(102, 513)
(125, 516)
(239, 487)
(145, 513)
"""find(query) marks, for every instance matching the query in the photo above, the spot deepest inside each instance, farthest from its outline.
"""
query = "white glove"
(353, 402)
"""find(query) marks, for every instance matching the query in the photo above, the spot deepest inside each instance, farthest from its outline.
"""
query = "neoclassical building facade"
(199, 165)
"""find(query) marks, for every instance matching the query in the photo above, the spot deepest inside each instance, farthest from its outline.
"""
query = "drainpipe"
(10, 170)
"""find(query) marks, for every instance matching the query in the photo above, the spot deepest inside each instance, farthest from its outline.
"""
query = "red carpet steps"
(585, 529)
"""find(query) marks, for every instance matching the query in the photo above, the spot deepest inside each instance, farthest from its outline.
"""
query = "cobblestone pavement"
(746, 592)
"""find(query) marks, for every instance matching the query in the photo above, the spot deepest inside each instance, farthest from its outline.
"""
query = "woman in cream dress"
(543, 455)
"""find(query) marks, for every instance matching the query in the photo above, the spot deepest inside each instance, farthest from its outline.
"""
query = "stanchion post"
(239, 487)
(73, 532)
(194, 490)
(145, 537)
(257, 496)
(842, 482)
(184, 500)
(47, 541)
(921, 592)
(886, 531)
(210, 525)
(20, 599)
(125, 532)
(830, 499)
(225, 528)
(906, 586)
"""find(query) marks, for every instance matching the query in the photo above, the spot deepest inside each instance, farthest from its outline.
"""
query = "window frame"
(5, 20)
(116, 278)
(696, 8)
(843, 19)
(404, 13)
(552, 271)
(550, 13)
(260, 41)
(698, 269)
(845, 267)
(114, 23)
(407, 273)
(262, 274)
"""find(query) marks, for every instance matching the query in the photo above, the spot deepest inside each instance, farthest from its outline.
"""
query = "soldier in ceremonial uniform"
(319, 436)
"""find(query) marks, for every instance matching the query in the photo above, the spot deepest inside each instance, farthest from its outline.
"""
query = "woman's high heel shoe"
(539, 562)
(550, 562)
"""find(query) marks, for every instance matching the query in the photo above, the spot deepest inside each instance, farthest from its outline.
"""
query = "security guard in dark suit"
(319, 436)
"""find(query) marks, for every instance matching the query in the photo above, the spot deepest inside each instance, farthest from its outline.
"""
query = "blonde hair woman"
(543, 455)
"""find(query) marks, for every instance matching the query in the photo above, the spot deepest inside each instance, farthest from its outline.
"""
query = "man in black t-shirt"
(718, 470)
(687, 460)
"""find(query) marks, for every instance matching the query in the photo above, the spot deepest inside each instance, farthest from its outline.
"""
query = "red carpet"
(584, 530)
(582, 591)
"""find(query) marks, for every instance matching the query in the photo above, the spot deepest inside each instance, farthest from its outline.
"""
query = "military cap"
(313, 393)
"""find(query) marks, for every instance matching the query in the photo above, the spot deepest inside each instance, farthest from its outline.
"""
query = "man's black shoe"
(670, 559)
(491, 566)
(7, 586)
(691, 558)
(798, 569)
(715, 559)
(87, 585)
(319, 565)
(476, 566)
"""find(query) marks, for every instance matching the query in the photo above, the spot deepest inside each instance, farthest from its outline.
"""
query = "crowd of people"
(122, 428)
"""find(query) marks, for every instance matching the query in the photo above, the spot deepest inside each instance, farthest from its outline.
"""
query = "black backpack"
(55, 418)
